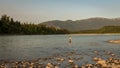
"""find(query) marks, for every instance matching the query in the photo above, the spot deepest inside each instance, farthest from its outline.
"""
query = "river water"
(21, 47)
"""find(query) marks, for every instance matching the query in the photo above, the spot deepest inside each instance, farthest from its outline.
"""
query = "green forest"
(10, 27)
(105, 29)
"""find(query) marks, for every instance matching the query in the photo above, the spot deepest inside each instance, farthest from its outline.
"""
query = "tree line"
(9, 26)
(105, 29)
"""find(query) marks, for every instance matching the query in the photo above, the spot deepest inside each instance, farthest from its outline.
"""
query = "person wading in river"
(70, 41)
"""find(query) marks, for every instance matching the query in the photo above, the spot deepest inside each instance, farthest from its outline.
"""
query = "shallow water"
(25, 47)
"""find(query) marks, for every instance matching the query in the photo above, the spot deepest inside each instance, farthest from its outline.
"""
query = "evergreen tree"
(9, 26)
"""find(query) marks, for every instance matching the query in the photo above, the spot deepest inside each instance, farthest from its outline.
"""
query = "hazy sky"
(44, 10)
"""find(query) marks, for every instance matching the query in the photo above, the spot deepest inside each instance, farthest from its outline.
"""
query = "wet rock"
(49, 65)
(76, 66)
(70, 61)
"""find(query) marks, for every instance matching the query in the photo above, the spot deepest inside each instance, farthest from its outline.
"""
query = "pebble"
(111, 62)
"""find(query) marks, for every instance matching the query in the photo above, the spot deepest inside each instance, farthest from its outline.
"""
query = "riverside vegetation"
(9, 26)
(105, 29)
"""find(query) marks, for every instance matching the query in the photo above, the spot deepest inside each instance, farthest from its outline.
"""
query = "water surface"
(22, 47)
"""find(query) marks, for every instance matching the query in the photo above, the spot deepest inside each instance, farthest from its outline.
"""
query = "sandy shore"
(114, 41)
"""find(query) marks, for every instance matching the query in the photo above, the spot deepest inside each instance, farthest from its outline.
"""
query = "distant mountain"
(85, 24)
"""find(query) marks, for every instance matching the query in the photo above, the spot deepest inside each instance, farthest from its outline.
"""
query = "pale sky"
(38, 11)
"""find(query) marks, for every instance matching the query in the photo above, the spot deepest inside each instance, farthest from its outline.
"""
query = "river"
(25, 47)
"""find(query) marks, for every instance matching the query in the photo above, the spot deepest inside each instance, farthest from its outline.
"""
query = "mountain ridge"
(84, 24)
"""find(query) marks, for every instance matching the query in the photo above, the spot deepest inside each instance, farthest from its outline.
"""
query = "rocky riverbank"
(72, 59)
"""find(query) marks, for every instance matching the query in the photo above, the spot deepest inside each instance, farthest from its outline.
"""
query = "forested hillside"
(84, 24)
(9, 26)
(105, 29)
